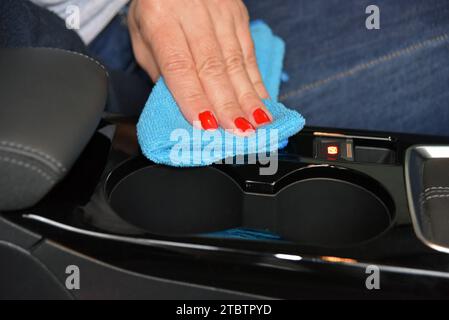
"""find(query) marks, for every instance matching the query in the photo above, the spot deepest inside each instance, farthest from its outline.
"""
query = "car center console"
(347, 214)
(337, 205)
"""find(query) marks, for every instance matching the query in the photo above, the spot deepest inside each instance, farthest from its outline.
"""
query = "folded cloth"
(164, 134)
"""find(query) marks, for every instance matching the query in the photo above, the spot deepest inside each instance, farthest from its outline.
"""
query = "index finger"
(177, 66)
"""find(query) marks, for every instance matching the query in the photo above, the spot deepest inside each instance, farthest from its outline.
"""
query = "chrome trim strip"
(347, 136)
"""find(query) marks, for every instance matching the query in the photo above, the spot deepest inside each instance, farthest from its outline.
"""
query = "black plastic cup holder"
(320, 206)
(330, 212)
(170, 201)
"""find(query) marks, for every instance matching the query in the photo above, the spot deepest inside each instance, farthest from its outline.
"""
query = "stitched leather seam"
(78, 54)
(428, 192)
(35, 152)
(435, 188)
(438, 196)
(434, 192)
(38, 152)
(30, 167)
(366, 65)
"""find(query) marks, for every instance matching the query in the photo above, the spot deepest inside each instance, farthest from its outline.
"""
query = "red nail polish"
(261, 116)
(243, 124)
(208, 121)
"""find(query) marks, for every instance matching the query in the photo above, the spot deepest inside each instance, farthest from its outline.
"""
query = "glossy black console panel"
(123, 210)
(315, 205)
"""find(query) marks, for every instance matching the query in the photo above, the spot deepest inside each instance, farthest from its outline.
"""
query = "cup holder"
(315, 206)
(330, 212)
(171, 201)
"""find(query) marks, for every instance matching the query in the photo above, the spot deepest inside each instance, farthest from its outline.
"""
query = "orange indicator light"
(332, 150)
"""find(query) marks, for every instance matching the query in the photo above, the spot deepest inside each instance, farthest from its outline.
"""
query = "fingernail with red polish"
(243, 124)
(208, 121)
(261, 116)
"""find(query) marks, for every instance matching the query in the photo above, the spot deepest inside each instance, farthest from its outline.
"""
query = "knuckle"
(234, 62)
(258, 83)
(177, 64)
(156, 34)
(248, 96)
(212, 66)
(191, 96)
(250, 58)
(228, 108)
(260, 88)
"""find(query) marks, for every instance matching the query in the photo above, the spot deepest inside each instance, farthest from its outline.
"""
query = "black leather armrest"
(50, 104)
(427, 178)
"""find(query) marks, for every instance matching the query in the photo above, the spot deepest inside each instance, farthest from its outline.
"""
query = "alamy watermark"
(372, 22)
(372, 282)
(73, 17)
(73, 280)
(194, 147)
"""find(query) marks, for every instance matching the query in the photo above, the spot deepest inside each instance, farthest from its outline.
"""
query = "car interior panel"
(75, 190)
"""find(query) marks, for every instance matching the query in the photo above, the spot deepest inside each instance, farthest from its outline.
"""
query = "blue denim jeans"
(342, 75)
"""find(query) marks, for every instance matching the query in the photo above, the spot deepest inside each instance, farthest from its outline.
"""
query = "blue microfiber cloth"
(245, 234)
(161, 117)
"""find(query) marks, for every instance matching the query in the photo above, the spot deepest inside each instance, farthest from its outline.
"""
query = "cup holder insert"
(170, 201)
(314, 206)
(330, 212)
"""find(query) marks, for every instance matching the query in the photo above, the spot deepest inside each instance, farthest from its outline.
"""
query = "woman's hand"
(204, 51)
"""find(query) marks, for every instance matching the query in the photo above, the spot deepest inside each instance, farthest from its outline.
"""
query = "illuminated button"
(332, 150)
